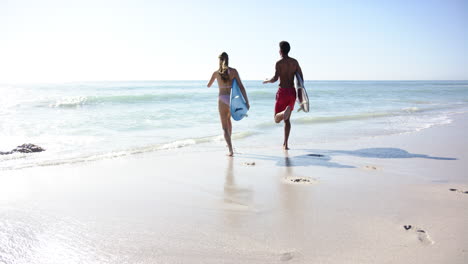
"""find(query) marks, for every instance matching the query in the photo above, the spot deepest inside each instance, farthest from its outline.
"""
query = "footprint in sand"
(370, 167)
(422, 235)
(456, 190)
(300, 180)
(249, 163)
(287, 256)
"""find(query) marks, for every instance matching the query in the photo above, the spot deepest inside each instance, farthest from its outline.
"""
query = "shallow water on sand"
(77, 122)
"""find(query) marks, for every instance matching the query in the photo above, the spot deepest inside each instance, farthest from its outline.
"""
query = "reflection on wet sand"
(292, 199)
(237, 199)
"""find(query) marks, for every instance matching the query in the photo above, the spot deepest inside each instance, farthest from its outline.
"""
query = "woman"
(225, 75)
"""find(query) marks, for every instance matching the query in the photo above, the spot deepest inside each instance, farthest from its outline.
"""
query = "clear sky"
(55, 41)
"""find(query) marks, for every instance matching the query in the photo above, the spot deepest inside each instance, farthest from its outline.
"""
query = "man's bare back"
(285, 70)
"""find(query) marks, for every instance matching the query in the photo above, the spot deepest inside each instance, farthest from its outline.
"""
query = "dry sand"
(341, 202)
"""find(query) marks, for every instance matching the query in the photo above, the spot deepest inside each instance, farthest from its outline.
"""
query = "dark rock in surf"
(28, 148)
(25, 148)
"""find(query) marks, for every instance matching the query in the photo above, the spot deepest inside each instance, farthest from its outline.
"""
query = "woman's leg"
(225, 116)
(229, 123)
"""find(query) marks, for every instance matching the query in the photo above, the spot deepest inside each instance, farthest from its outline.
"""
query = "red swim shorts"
(285, 97)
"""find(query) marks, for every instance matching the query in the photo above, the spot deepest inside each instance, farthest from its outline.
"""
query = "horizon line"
(199, 80)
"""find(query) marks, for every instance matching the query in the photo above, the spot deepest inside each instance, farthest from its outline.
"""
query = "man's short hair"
(284, 47)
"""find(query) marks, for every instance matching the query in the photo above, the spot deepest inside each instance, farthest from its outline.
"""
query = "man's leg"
(287, 129)
(284, 115)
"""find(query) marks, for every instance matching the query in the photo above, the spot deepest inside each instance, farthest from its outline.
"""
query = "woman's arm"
(242, 88)
(213, 77)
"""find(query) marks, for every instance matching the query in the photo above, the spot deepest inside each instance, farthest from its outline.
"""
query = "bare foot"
(285, 115)
(230, 154)
(285, 147)
(278, 118)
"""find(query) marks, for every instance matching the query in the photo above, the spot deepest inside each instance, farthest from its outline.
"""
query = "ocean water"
(81, 122)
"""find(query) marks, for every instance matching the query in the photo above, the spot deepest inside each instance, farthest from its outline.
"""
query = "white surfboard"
(302, 97)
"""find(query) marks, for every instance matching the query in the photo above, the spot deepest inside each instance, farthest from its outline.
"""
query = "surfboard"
(238, 103)
(302, 97)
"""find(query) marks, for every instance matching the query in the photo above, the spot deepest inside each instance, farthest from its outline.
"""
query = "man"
(286, 69)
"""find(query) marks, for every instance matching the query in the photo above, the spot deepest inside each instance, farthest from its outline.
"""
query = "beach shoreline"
(384, 199)
(94, 121)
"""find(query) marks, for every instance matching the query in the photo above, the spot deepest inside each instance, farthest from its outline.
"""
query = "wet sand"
(389, 199)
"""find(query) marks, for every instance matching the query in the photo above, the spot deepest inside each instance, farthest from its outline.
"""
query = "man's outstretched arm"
(275, 78)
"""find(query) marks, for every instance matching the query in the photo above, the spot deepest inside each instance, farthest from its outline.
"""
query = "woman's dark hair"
(223, 66)
(284, 47)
